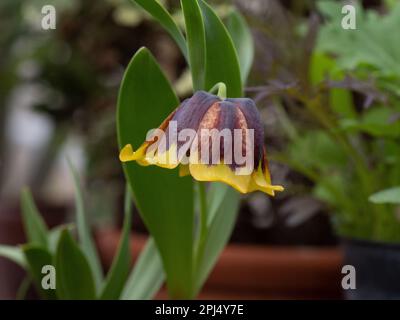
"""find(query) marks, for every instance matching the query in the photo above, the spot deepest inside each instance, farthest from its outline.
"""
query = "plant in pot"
(263, 287)
(146, 99)
(342, 127)
(190, 224)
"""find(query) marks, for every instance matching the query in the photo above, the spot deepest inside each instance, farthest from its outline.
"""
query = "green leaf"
(13, 254)
(221, 58)
(375, 121)
(391, 195)
(164, 18)
(74, 275)
(23, 288)
(323, 67)
(85, 238)
(220, 228)
(37, 257)
(243, 41)
(373, 46)
(164, 200)
(54, 236)
(196, 41)
(35, 228)
(119, 270)
(147, 276)
(215, 195)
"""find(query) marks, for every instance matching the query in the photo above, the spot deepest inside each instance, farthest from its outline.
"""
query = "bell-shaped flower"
(211, 139)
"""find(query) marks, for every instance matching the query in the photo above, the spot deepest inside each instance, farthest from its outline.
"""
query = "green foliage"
(87, 243)
(13, 254)
(146, 278)
(179, 250)
(372, 48)
(119, 270)
(350, 150)
(36, 258)
(145, 99)
(196, 41)
(222, 214)
(164, 18)
(74, 273)
(222, 63)
(33, 222)
(391, 195)
(243, 41)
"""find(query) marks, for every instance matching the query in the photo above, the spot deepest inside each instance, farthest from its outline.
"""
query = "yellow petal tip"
(127, 154)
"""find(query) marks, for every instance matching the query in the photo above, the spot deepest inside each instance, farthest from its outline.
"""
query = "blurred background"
(58, 91)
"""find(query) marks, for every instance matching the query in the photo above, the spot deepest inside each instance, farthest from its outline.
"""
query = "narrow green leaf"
(38, 257)
(220, 229)
(147, 276)
(221, 58)
(243, 41)
(164, 200)
(54, 236)
(85, 238)
(215, 196)
(23, 288)
(13, 254)
(391, 195)
(119, 270)
(196, 41)
(73, 273)
(164, 18)
(35, 228)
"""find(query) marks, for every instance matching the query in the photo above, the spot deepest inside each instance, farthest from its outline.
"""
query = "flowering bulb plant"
(189, 222)
(212, 138)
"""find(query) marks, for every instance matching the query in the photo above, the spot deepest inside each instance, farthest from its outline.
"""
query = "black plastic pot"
(377, 267)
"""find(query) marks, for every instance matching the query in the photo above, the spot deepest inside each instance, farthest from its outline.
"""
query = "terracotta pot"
(256, 272)
(12, 233)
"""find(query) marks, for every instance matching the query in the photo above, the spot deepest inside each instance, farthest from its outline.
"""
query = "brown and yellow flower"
(211, 139)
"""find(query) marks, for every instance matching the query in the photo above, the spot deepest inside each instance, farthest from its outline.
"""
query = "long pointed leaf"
(37, 257)
(164, 200)
(54, 236)
(147, 276)
(35, 228)
(119, 270)
(73, 273)
(164, 18)
(85, 238)
(13, 254)
(243, 41)
(196, 41)
(221, 58)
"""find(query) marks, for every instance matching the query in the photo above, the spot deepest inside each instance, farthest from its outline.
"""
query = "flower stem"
(203, 228)
(221, 87)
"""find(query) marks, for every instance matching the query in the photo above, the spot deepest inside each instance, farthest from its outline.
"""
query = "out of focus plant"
(340, 113)
(78, 273)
